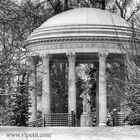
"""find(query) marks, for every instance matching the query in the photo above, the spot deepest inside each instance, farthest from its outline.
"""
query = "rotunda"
(83, 35)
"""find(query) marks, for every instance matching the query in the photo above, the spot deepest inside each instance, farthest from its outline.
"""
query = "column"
(97, 97)
(71, 83)
(46, 85)
(129, 73)
(33, 89)
(124, 77)
(102, 90)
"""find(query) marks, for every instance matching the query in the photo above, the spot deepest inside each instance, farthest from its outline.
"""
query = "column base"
(102, 124)
(86, 120)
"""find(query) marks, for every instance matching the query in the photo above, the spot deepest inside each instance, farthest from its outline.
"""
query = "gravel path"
(70, 133)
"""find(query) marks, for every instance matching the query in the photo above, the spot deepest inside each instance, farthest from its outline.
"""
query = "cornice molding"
(83, 30)
(29, 44)
(76, 42)
(67, 46)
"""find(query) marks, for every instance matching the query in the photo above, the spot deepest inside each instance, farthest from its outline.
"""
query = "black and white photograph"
(69, 69)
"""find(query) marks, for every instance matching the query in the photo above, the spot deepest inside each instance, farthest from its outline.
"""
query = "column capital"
(102, 55)
(71, 56)
(33, 60)
(45, 57)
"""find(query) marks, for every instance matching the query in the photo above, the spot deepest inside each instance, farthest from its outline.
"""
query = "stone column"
(46, 85)
(102, 90)
(97, 97)
(71, 83)
(124, 77)
(33, 89)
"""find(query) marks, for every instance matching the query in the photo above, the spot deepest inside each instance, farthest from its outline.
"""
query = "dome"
(85, 16)
(82, 22)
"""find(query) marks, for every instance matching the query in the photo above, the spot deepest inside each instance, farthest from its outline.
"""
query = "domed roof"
(80, 16)
(82, 22)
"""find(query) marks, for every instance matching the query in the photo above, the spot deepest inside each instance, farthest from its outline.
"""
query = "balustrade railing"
(55, 119)
(37, 123)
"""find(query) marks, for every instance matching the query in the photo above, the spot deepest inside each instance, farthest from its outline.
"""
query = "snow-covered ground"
(70, 133)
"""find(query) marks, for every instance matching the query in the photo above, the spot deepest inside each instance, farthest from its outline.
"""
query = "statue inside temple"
(86, 101)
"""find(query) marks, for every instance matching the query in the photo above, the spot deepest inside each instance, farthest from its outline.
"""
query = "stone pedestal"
(86, 120)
